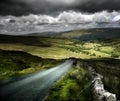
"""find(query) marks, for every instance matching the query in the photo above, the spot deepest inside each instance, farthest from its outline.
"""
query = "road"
(32, 87)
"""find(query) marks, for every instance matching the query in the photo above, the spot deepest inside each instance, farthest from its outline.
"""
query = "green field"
(58, 48)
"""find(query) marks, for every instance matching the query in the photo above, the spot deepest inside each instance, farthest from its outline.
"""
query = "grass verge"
(69, 88)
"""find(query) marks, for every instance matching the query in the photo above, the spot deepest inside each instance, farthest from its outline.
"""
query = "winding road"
(32, 87)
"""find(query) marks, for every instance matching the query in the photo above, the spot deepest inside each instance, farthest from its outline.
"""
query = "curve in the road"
(33, 87)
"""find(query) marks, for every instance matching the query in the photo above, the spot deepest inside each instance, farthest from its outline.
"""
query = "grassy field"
(43, 47)
(57, 48)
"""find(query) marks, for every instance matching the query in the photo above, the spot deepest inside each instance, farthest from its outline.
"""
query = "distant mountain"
(92, 34)
(83, 35)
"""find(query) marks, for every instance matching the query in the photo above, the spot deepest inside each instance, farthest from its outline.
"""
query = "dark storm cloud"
(99, 5)
(20, 7)
(13, 7)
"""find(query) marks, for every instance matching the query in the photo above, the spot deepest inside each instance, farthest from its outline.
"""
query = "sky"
(28, 16)
(24, 7)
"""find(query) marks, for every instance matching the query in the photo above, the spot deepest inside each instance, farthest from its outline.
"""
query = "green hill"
(17, 63)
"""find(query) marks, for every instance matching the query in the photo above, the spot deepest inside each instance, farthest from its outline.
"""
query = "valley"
(98, 48)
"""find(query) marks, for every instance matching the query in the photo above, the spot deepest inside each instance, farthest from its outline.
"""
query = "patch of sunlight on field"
(98, 53)
(74, 34)
(91, 45)
(107, 49)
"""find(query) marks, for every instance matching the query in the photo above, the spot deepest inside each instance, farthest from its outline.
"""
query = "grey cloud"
(22, 7)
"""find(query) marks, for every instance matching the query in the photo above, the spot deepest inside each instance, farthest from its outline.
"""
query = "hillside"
(99, 34)
(18, 63)
(61, 48)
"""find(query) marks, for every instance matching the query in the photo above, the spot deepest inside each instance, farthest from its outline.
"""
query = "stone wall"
(99, 93)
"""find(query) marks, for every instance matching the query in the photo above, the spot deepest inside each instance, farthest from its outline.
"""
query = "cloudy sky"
(21, 7)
